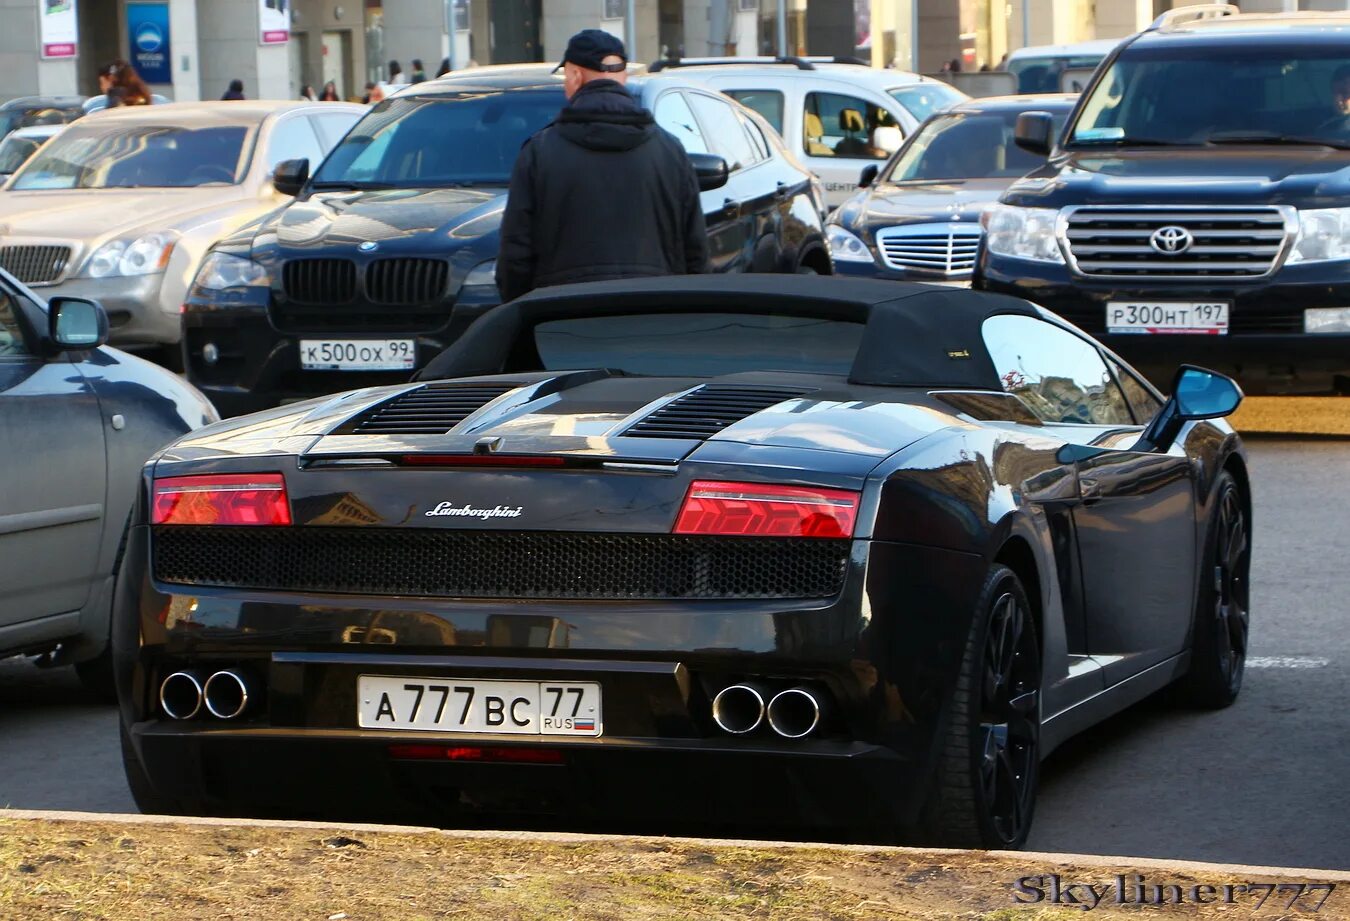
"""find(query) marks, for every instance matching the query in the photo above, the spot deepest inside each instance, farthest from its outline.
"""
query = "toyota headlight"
(846, 246)
(1023, 233)
(144, 255)
(1323, 235)
(221, 271)
(485, 273)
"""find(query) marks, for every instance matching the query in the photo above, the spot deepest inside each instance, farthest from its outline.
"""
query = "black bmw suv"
(389, 249)
(1196, 207)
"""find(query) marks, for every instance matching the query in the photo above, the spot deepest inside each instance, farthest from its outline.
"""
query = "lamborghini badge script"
(450, 510)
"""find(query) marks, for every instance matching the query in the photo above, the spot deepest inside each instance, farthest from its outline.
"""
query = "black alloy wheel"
(1223, 610)
(985, 792)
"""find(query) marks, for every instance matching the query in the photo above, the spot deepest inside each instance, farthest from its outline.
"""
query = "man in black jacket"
(601, 192)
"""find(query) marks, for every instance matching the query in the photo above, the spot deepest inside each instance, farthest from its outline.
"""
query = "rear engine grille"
(430, 410)
(946, 249)
(704, 412)
(499, 564)
(1113, 242)
(319, 281)
(35, 265)
(399, 282)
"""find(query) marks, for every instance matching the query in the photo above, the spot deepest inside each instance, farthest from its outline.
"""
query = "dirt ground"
(1293, 416)
(107, 870)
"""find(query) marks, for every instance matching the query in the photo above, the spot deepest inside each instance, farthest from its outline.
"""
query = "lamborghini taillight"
(766, 510)
(222, 499)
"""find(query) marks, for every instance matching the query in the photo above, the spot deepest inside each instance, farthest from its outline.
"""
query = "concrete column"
(187, 86)
(413, 29)
(229, 45)
(564, 18)
(1123, 17)
(26, 74)
(939, 35)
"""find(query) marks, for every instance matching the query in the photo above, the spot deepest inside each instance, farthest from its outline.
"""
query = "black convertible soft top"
(916, 336)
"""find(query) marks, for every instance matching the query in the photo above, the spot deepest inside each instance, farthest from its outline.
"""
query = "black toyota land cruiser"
(1196, 207)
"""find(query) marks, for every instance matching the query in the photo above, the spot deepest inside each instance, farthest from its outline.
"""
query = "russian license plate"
(1208, 318)
(550, 708)
(358, 354)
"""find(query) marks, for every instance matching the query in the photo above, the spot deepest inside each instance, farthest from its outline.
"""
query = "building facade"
(192, 49)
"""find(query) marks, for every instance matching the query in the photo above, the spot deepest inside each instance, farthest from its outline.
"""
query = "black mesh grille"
(397, 282)
(319, 281)
(35, 265)
(430, 410)
(707, 410)
(499, 564)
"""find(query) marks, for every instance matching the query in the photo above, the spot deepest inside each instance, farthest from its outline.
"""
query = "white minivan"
(838, 118)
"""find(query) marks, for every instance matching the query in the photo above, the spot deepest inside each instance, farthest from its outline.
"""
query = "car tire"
(1222, 609)
(984, 794)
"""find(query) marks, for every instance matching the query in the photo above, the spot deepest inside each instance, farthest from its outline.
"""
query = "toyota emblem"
(369, 246)
(1171, 240)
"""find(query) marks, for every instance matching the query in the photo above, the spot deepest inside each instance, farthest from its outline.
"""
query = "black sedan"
(814, 552)
(388, 251)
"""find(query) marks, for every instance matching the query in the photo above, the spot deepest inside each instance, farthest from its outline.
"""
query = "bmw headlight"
(144, 255)
(1323, 235)
(485, 273)
(845, 246)
(1023, 233)
(221, 271)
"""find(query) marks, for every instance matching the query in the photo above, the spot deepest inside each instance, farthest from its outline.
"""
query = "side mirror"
(1033, 132)
(711, 170)
(74, 323)
(869, 175)
(290, 176)
(1196, 394)
(888, 139)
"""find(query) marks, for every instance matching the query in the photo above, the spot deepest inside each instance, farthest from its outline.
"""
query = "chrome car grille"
(944, 249)
(35, 265)
(1220, 243)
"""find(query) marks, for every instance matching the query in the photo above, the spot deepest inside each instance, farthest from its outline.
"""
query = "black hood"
(605, 116)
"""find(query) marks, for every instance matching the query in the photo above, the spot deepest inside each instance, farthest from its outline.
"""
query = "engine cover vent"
(431, 410)
(704, 412)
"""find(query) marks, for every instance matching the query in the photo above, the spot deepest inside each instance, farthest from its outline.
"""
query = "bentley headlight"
(1023, 233)
(144, 255)
(1323, 235)
(845, 246)
(221, 271)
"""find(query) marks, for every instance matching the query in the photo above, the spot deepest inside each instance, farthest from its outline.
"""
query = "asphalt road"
(1264, 782)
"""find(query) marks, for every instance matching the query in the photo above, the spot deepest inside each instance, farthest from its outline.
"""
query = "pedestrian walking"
(330, 93)
(601, 192)
(419, 73)
(444, 68)
(119, 81)
(307, 93)
(396, 75)
(236, 90)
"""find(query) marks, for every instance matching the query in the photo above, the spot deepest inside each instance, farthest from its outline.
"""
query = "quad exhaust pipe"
(738, 709)
(226, 694)
(794, 713)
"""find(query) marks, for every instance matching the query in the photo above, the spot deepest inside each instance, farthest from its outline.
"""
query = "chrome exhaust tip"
(180, 695)
(794, 713)
(227, 693)
(738, 709)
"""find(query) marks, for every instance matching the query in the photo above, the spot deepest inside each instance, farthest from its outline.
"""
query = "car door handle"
(731, 208)
(1089, 490)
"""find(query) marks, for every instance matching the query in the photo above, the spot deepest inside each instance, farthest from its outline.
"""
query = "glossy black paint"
(1104, 538)
(765, 218)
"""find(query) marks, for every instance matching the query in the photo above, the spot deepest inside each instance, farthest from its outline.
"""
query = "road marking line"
(1287, 662)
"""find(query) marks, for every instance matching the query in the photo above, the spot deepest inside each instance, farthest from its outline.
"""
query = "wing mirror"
(1033, 132)
(711, 170)
(1196, 394)
(74, 323)
(869, 176)
(290, 176)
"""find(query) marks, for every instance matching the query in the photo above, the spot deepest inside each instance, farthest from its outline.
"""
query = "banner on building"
(58, 31)
(274, 21)
(148, 33)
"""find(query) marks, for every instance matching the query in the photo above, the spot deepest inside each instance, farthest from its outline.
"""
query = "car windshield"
(923, 99)
(1233, 93)
(1045, 74)
(698, 344)
(15, 150)
(116, 155)
(962, 145)
(466, 138)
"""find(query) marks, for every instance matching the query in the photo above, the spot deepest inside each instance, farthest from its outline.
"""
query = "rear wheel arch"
(1235, 465)
(815, 257)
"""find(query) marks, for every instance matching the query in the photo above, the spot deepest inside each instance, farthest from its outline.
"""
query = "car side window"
(13, 343)
(757, 139)
(768, 103)
(1062, 378)
(1141, 399)
(721, 123)
(836, 125)
(291, 139)
(333, 127)
(673, 114)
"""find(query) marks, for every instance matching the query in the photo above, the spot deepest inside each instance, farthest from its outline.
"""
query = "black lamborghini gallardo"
(793, 551)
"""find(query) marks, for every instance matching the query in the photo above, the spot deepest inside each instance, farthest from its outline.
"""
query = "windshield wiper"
(347, 185)
(1298, 140)
(1128, 142)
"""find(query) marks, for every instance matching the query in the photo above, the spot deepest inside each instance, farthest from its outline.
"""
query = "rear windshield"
(114, 155)
(1234, 93)
(966, 146)
(698, 345)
